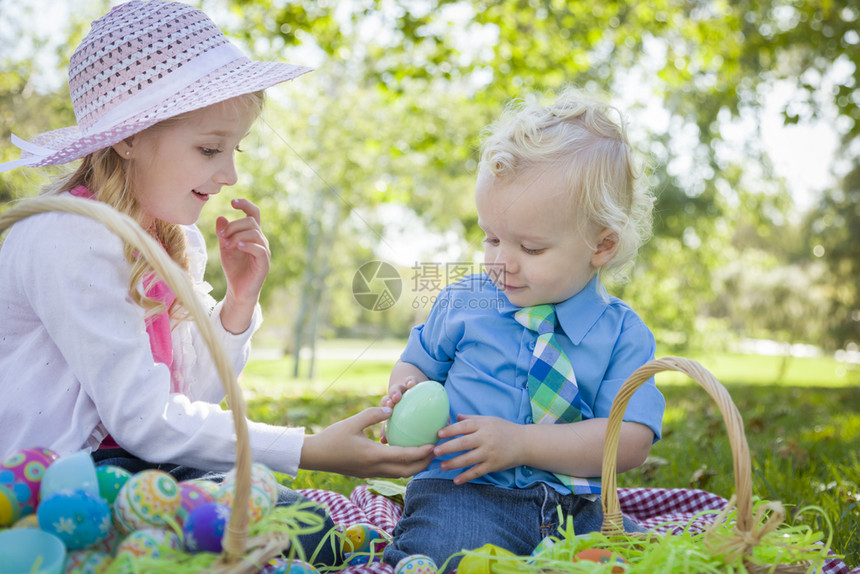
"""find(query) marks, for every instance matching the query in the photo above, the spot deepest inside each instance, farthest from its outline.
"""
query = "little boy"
(534, 340)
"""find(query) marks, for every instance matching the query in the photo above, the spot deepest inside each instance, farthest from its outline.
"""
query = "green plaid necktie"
(552, 384)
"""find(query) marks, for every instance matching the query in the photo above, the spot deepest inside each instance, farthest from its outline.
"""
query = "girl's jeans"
(286, 497)
(441, 519)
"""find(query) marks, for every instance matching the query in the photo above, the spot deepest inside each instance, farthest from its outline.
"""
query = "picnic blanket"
(663, 510)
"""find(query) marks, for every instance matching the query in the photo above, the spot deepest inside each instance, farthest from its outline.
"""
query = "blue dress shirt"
(472, 344)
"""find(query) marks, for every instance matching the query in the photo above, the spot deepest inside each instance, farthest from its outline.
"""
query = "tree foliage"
(402, 90)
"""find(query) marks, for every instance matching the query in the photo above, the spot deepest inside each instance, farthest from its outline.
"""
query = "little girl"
(95, 352)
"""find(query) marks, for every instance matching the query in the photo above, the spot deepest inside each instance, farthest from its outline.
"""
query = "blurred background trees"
(373, 156)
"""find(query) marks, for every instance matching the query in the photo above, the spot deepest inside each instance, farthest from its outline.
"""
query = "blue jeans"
(441, 519)
(327, 556)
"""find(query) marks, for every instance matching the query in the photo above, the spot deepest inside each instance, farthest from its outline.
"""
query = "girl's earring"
(127, 153)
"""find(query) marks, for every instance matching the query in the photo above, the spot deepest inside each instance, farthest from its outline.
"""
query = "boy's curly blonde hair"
(607, 189)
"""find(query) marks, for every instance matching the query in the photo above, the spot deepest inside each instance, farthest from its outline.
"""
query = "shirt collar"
(576, 315)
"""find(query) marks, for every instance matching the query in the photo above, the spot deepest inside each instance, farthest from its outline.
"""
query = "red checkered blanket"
(660, 509)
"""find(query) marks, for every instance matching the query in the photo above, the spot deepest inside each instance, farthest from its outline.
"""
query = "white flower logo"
(66, 525)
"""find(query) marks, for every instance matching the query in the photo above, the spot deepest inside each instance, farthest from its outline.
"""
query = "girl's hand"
(345, 448)
(395, 393)
(245, 258)
(491, 444)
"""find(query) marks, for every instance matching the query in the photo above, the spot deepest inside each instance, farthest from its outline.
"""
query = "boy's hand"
(395, 393)
(491, 444)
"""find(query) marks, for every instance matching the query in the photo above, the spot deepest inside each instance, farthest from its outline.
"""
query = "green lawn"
(803, 431)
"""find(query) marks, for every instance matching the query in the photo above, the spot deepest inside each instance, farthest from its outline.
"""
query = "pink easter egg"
(26, 467)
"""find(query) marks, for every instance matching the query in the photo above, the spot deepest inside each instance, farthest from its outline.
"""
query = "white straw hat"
(141, 63)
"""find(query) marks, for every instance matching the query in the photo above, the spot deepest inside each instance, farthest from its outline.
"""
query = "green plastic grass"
(685, 553)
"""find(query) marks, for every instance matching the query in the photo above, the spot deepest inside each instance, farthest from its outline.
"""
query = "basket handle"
(236, 533)
(612, 518)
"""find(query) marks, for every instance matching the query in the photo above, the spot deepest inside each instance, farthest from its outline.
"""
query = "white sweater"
(76, 364)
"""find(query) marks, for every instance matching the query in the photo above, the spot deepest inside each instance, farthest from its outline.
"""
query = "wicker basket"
(748, 530)
(240, 553)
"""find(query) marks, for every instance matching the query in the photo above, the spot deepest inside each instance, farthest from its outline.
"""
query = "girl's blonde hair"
(104, 173)
(607, 190)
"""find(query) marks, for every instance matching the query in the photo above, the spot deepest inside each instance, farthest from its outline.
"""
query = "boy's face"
(176, 167)
(533, 250)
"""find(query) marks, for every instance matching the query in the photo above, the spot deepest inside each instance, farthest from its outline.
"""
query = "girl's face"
(176, 166)
(534, 251)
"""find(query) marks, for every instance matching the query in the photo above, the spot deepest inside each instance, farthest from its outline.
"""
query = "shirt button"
(527, 471)
(529, 420)
(531, 346)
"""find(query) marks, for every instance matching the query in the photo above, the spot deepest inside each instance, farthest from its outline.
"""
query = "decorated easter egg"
(483, 561)
(418, 416)
(109, 543)
(147, 543)
(29, 521)
(87, 562)
(208, 485)
(74, 471)
(416, 564)
(602, 556)
(204, 527)
(365, 537)
(283, 566)
(10, 508)
(191, 495)
(263, 494)
(145, 501)
(544, 545)
(358, 558)
(27, 466)
(111, 479)
(77, 517)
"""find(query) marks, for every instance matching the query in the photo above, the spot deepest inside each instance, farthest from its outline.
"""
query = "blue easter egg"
(77, 517)
(357, 558)
(204, 527)
(74, 471)
(31, 550)
(282, 566)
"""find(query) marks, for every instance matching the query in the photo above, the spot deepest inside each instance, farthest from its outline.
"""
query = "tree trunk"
(309, 278)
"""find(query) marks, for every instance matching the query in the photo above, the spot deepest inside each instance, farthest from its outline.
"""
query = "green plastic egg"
(418, 416)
